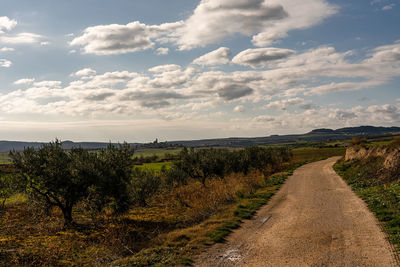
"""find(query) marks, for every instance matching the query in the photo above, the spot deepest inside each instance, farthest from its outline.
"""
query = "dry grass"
(29, 239)
(170, 229)
(198, 202)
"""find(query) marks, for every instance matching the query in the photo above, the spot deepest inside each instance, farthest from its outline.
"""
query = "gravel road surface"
(314, 220)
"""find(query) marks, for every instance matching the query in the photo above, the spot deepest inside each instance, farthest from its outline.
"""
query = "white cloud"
(24, 81)
(386, 54)
(120, 39)
(167, 76)
(383, 115)
(239, 108)
(285, 103)
(162, 51)
(47, 84)
(341, 86)
(20, 38)
(261, 56)
(84, 72)
(7, 24)
(264, 118)
(114, 39)
(299, 17)
(103, 81)
(211, 22)
(175, 93)
(5, 63)
(214, 20)
(165, 68)
(342, 115)
(388, 7)
(216, 57)
(7, 49)
(45, 43)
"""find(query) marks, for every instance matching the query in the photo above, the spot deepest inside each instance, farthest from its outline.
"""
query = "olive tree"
(60, 178)
(63, 178)
(143, 185)
(114, 165)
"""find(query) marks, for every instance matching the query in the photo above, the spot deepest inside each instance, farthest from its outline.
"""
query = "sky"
(130, 70)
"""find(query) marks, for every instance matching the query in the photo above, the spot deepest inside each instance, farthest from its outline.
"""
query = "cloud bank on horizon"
(244, 75)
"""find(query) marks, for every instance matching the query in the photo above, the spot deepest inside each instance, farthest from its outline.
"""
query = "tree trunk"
(3, 204)
(67, 212)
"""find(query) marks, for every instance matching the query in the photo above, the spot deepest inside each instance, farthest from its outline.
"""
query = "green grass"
(4, 158)
(383, 199)
(16, 199)
(247, 211)
(380, 143)
(160, 152)
(313, 153)
(219, 234)
(156, 166)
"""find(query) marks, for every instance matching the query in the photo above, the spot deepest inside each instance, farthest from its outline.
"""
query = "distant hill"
(313, 136)
(6, 146)
(368, 130)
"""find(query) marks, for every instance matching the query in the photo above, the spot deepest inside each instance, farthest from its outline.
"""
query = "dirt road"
(314, 220)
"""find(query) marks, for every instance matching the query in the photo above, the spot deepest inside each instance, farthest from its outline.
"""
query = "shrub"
(358, 141)
(174, 176)
(396, 142)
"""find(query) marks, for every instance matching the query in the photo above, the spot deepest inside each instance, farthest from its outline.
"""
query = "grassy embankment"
(379, 188)
(175, 225)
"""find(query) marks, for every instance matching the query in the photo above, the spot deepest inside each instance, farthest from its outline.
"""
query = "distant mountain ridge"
(6, 146)
(361, 130)
(314, 135)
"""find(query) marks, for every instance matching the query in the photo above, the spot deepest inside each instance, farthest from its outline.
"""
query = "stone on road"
(314, 220)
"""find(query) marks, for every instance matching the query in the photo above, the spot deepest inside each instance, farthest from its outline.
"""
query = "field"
(160, 152)
(301, 154)
(4, 158)
(155, 166)
(383, 141)
(313, 153)
(174, 226)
